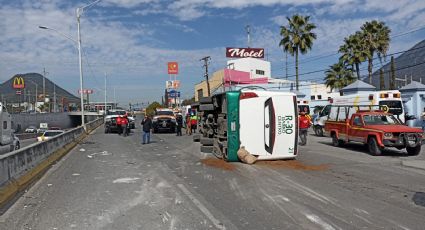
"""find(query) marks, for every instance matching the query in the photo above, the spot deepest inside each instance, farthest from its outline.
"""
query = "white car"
(31, 129)
(49, 134)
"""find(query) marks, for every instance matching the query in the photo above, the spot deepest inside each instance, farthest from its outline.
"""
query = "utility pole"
(248, 31)
(54, 97)
(115, 99)
(206, 62)
(104, 109)
(44, 85)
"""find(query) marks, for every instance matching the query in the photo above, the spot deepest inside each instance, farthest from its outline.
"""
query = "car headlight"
(388, 135)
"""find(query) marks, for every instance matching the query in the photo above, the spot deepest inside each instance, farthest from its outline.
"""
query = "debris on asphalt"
(293, 164)
(75, 174)
(126, 180)
(82, 150)
(48, 185)
(217, 163)
(419, 199)
(245, 156)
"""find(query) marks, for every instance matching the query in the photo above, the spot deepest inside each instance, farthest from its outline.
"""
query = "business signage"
(176, 84)
(173, 94)
(244, 52)
(18, 83)
(173, 68)
(86, 91)
(18, 92)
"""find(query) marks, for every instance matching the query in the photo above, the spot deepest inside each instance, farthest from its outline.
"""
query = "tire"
(207, 141)
(107, 130)
(318, 131)
(207, 149)
(373, 147)
(205, 100)
(206, 107)
(413, 151)
(196, 138)
(335, 141)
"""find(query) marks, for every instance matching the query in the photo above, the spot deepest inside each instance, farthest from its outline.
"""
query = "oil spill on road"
(293, 164)
(218, 163)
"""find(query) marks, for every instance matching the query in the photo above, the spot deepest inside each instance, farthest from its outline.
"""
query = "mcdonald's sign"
(18, 83)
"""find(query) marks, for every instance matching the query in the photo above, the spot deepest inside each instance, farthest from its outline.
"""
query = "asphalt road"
(112, 182)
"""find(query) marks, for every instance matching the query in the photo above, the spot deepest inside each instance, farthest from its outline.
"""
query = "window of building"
(260, 72)
(4, 124)
(313, 97)
(319, 97)
(200, 93)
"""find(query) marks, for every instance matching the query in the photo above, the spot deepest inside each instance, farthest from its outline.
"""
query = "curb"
(417, 164)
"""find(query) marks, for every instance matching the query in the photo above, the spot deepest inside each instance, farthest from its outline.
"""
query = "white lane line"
(201, 207)
(317, 220)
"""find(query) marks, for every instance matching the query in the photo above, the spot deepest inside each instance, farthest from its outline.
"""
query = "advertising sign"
(173, 68)
(168, 84)
(86, 91)
(176, 84)
(173, 94)
(18, 83)
(244, 52)
(18, 92)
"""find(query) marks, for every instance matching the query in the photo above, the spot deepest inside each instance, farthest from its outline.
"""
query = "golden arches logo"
(18, 83)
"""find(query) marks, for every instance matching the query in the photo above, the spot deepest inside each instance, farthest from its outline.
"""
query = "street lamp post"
(79, 12)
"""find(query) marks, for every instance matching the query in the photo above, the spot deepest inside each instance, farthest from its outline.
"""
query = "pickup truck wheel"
(318, 131)
(18, 146)
(373, 147)
(335, 141)
(413, 151)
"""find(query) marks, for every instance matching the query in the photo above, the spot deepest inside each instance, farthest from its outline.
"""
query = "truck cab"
(7, 136)
(375, 128)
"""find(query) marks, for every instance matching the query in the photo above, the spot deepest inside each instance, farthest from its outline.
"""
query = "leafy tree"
(338, 76)
(376, 36)
(353, 51)
(150, 110)
(297, 37)
(188, 101)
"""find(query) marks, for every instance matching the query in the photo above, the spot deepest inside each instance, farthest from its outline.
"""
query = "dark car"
(111, 124)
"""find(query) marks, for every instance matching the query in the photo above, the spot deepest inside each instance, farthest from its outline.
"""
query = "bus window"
(325, 111)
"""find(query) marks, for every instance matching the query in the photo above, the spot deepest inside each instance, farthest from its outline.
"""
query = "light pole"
(79, 12)
(36, 95)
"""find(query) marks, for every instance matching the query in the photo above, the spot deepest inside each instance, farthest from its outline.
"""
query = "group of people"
(191, 122)
(122, 124)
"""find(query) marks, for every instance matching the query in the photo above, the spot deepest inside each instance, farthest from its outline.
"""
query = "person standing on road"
(188, 128)
(124, 125)
(147, 128)
(193, 122)
(179, 121)
(119, 122)
(304, 123)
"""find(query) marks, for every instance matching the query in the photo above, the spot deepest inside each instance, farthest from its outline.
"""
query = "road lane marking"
(201, 207)
(317, 220)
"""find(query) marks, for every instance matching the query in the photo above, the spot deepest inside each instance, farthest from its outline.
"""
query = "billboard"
(173, 68)
(176, 84)
(172, 84)
(244, 52)
(18, 83)
(86, 91)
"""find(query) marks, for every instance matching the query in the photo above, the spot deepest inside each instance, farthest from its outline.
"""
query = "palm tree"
(376, 36)
(353, 52)
(338, 76)
(297, 37)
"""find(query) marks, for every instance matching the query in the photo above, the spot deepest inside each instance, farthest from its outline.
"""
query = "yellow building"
(216, 81)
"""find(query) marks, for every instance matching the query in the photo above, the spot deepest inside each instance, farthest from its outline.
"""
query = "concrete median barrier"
(20, 168)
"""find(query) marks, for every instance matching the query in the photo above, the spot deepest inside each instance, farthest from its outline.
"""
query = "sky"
(131, 41)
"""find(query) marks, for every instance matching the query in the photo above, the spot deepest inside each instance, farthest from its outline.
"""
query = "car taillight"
(247, 95)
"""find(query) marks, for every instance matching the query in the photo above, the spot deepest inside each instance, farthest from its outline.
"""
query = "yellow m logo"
(18, 83)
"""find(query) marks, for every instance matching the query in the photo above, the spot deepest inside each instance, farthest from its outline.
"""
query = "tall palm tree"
(297, 37)
(376, 36)
(338, 76)
(353, 51)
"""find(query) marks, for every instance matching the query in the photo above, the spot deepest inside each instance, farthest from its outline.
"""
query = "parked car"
(31, 129)
(49, 134)
(164, 120)
(131, 122)
(111, 124)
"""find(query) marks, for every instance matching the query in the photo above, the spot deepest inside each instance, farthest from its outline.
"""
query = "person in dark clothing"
(179, 121)
(147, 128)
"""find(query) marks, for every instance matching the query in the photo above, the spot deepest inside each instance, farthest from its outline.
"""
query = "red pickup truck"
(377, 129)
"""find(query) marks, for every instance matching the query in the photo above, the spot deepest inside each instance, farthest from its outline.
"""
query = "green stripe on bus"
(233, 141)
